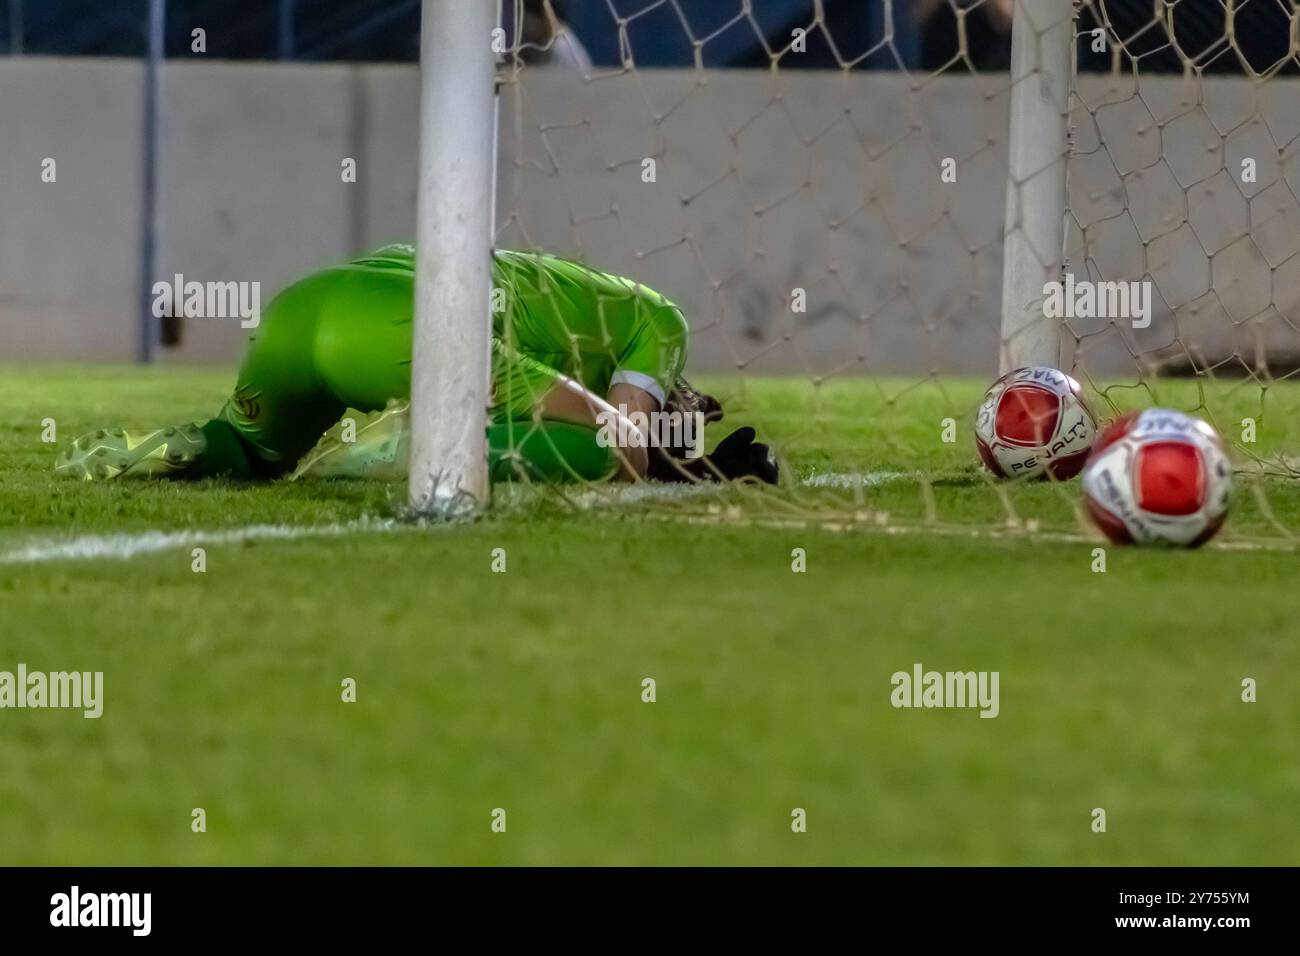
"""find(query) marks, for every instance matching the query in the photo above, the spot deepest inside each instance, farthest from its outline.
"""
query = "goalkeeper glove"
(737, 456)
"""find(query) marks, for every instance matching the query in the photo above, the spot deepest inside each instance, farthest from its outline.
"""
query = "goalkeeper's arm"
(570, 401)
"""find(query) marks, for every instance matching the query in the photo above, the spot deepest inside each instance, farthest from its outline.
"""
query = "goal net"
(839, 213)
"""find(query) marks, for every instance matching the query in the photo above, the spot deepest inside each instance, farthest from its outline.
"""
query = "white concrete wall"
(820, 181)
(69, 251)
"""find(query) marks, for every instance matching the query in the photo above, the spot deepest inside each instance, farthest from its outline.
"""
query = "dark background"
(387, 30)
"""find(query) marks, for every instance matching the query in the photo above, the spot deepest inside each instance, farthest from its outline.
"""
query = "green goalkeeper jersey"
(341, 338)
(561, 316)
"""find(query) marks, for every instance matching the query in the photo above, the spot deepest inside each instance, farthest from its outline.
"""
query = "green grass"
(523, 690)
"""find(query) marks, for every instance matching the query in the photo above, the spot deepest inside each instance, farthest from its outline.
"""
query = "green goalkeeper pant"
(341, 339)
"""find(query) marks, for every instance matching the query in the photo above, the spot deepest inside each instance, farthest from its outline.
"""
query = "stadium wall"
(762, 184)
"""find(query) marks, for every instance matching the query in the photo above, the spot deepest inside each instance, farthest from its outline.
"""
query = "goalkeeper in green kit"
(574, 351)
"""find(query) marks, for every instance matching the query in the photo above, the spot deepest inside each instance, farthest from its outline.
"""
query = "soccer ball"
(1034, 423)
(1158, 477)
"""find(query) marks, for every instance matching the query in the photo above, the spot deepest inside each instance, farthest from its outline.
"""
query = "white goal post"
(449, 361)
(1033, 248)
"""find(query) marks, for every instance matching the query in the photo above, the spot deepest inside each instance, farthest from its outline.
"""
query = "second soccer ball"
(1158, 477)
(1034, 423)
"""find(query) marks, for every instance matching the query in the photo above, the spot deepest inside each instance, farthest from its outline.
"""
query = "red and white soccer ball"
(1158, 477)
(1034, 423)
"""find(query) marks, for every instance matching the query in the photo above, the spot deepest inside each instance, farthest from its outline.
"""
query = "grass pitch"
(523, 690)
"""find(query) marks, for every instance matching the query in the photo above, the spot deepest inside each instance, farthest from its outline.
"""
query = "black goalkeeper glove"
(737, 456)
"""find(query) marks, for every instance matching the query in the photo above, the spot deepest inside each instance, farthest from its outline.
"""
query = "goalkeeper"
(572, 348)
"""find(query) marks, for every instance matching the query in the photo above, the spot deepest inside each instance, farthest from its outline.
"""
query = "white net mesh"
(844, 297)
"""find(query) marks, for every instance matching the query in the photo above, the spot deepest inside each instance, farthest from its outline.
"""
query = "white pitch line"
(628, 494)
(839, 479)
(650, 491)
(122, 547)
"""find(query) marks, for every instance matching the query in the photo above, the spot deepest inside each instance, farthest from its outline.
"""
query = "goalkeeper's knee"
(548, 451)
